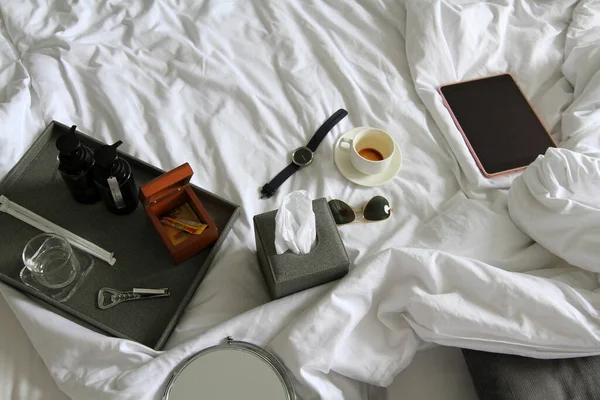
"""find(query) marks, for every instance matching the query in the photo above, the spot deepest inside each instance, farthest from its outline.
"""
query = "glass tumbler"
(51, 260)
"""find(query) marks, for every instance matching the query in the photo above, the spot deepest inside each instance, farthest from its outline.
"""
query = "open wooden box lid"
(161, 186)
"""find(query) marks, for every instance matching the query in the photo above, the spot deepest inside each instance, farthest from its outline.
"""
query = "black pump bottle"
(114, 179)
(76, 164)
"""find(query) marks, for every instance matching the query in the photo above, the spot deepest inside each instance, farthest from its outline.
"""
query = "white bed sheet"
(231, 87)
(23, 373)
(438, 373)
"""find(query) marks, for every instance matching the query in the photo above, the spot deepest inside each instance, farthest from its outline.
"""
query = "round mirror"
(235, 370)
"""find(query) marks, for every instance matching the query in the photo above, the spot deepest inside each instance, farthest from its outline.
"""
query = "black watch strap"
(270, 188)
(328, 125)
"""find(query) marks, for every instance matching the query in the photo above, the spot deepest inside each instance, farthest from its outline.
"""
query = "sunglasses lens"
(377, 209)
(342, 212)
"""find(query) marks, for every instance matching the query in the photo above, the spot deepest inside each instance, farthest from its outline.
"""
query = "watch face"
(302, 156)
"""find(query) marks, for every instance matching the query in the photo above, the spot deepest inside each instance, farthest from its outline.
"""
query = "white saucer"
(342, 161)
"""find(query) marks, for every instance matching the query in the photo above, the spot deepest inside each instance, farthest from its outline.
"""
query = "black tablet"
(500, 128)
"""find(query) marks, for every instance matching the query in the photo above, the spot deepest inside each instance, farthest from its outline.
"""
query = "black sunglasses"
(377, 209)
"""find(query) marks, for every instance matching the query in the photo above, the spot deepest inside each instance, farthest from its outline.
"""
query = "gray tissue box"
(288, 273)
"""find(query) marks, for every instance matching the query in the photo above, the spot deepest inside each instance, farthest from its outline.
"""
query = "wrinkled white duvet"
(232, 86)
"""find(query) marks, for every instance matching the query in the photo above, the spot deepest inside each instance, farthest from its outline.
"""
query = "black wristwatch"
(303, 156)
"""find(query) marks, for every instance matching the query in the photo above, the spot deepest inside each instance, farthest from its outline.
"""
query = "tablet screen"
(498, 122)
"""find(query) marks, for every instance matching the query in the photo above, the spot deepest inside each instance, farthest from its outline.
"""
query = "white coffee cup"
(371, 150)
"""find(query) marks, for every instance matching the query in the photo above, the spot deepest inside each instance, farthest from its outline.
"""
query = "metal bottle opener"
(116, 296)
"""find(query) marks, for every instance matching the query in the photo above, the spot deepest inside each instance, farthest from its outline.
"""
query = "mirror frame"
(270, 359)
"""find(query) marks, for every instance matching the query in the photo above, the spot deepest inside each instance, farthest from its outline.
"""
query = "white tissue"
(295, 228)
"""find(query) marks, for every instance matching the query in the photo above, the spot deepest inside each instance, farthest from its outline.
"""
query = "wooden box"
(170, 191)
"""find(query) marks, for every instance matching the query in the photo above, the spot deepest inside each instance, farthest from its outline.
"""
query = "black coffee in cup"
(370, 154)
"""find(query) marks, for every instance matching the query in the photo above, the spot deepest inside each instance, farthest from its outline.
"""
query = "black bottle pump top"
(69, 142)
(107, 155)
(76, 167)
(73, 156)
(109, 164)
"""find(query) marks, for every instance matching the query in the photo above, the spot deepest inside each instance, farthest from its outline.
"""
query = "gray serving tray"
(142, 259)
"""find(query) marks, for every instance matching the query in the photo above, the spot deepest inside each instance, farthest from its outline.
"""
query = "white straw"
(44, 225)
